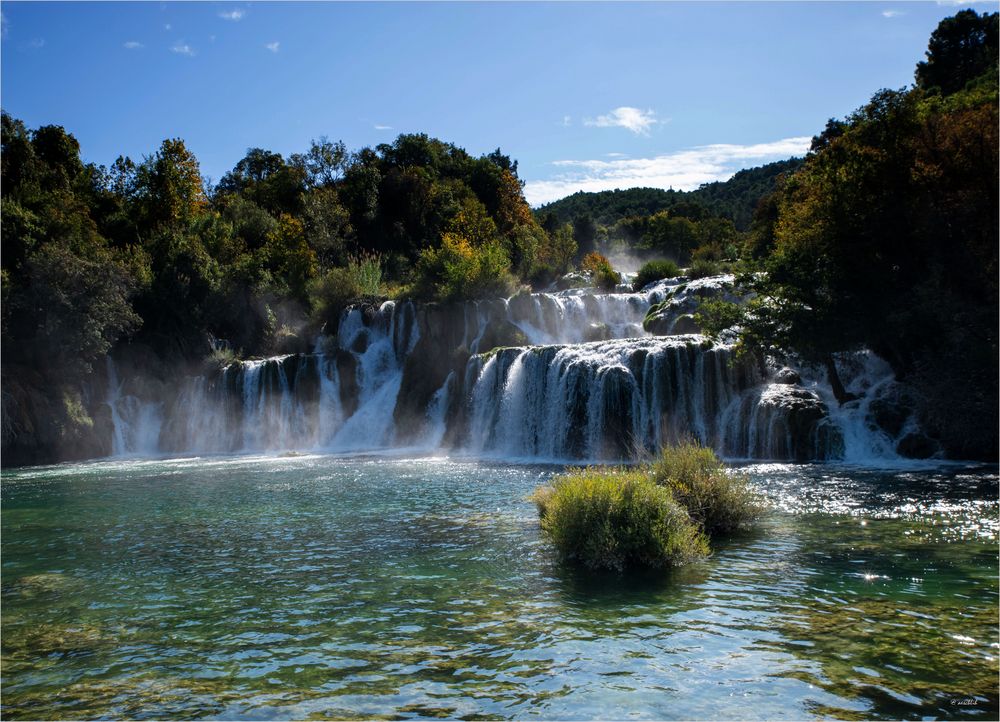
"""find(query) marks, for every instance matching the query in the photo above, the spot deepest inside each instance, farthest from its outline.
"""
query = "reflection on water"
(349, 588)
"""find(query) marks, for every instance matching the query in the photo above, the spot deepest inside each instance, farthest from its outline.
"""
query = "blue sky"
(584, 95)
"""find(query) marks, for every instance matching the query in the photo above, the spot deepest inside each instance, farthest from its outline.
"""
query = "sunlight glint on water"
(286, 587)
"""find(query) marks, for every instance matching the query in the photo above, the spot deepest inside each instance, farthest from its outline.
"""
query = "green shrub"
(654, 271)
(459, 271)
(656, 515)
(330, 293)
(603, 275)
(717, 501)
(615, 519)
(607, 278)
(702, 267)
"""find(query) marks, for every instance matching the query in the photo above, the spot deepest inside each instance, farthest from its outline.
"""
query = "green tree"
(324, 163)
(169, 187)
(961, 48)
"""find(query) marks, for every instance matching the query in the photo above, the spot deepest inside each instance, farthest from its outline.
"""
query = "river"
(259, 587)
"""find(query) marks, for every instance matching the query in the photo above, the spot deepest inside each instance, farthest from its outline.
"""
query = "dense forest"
(885, 237)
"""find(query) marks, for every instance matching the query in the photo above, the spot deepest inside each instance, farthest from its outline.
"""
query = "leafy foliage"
(458, 271)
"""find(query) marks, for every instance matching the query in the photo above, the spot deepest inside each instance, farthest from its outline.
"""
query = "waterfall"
(555, 376)
(606, 400)
(135, 423)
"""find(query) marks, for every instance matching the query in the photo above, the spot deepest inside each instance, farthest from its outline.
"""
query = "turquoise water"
(397, 588)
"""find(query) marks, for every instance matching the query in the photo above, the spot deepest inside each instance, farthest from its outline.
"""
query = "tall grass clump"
(365, 270)
(615, 519)
(660, 514)
(654, 271)
(719, 502)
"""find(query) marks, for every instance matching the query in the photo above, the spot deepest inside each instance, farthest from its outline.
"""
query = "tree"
(833, 130)
(264, 178)
(168, 186)
(962, 48)
(79, 306)
(324, 163)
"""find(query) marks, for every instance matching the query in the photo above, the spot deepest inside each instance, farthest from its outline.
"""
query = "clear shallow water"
(329, 587)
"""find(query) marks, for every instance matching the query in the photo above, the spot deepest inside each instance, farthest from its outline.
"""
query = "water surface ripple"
(327, 587)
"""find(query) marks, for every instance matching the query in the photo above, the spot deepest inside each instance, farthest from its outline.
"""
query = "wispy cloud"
(892, 13)
(4, 24)
(615, 155)
(567, 121)
(235, 15)
(133, 45)
(383, 127)
(183, 49)
(273, 47)
(168, 26)
(681, 170)
(36, 43)
(633, 119)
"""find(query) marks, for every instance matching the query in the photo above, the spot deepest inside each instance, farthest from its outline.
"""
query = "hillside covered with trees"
(734, 199)
(884, 237)
(887, 239)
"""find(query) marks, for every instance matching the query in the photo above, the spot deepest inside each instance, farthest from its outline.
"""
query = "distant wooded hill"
(734, 199)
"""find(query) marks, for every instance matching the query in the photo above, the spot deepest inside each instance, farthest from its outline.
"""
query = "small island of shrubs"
(657, 515)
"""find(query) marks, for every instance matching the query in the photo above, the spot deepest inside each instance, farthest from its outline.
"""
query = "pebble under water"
(331, 587)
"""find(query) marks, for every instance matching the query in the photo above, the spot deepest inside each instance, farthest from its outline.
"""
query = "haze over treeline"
(884, 237)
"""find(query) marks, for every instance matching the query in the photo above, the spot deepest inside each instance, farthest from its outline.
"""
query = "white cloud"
(4, 24)
(133, 45)
(383, 127)
(183, 49)
(567, 121)
(167, 26)
(36, 43)
(615, 155)
(273, 47)
(681, 170)
(633, 119)
(891, 13)
(234, 15)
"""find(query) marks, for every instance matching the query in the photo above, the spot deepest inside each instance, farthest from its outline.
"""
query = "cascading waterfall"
(135, 422)
(586, 382)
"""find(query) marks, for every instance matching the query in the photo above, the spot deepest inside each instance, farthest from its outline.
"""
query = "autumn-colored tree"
(168, 186)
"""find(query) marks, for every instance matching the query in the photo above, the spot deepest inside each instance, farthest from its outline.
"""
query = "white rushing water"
(589, 383)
